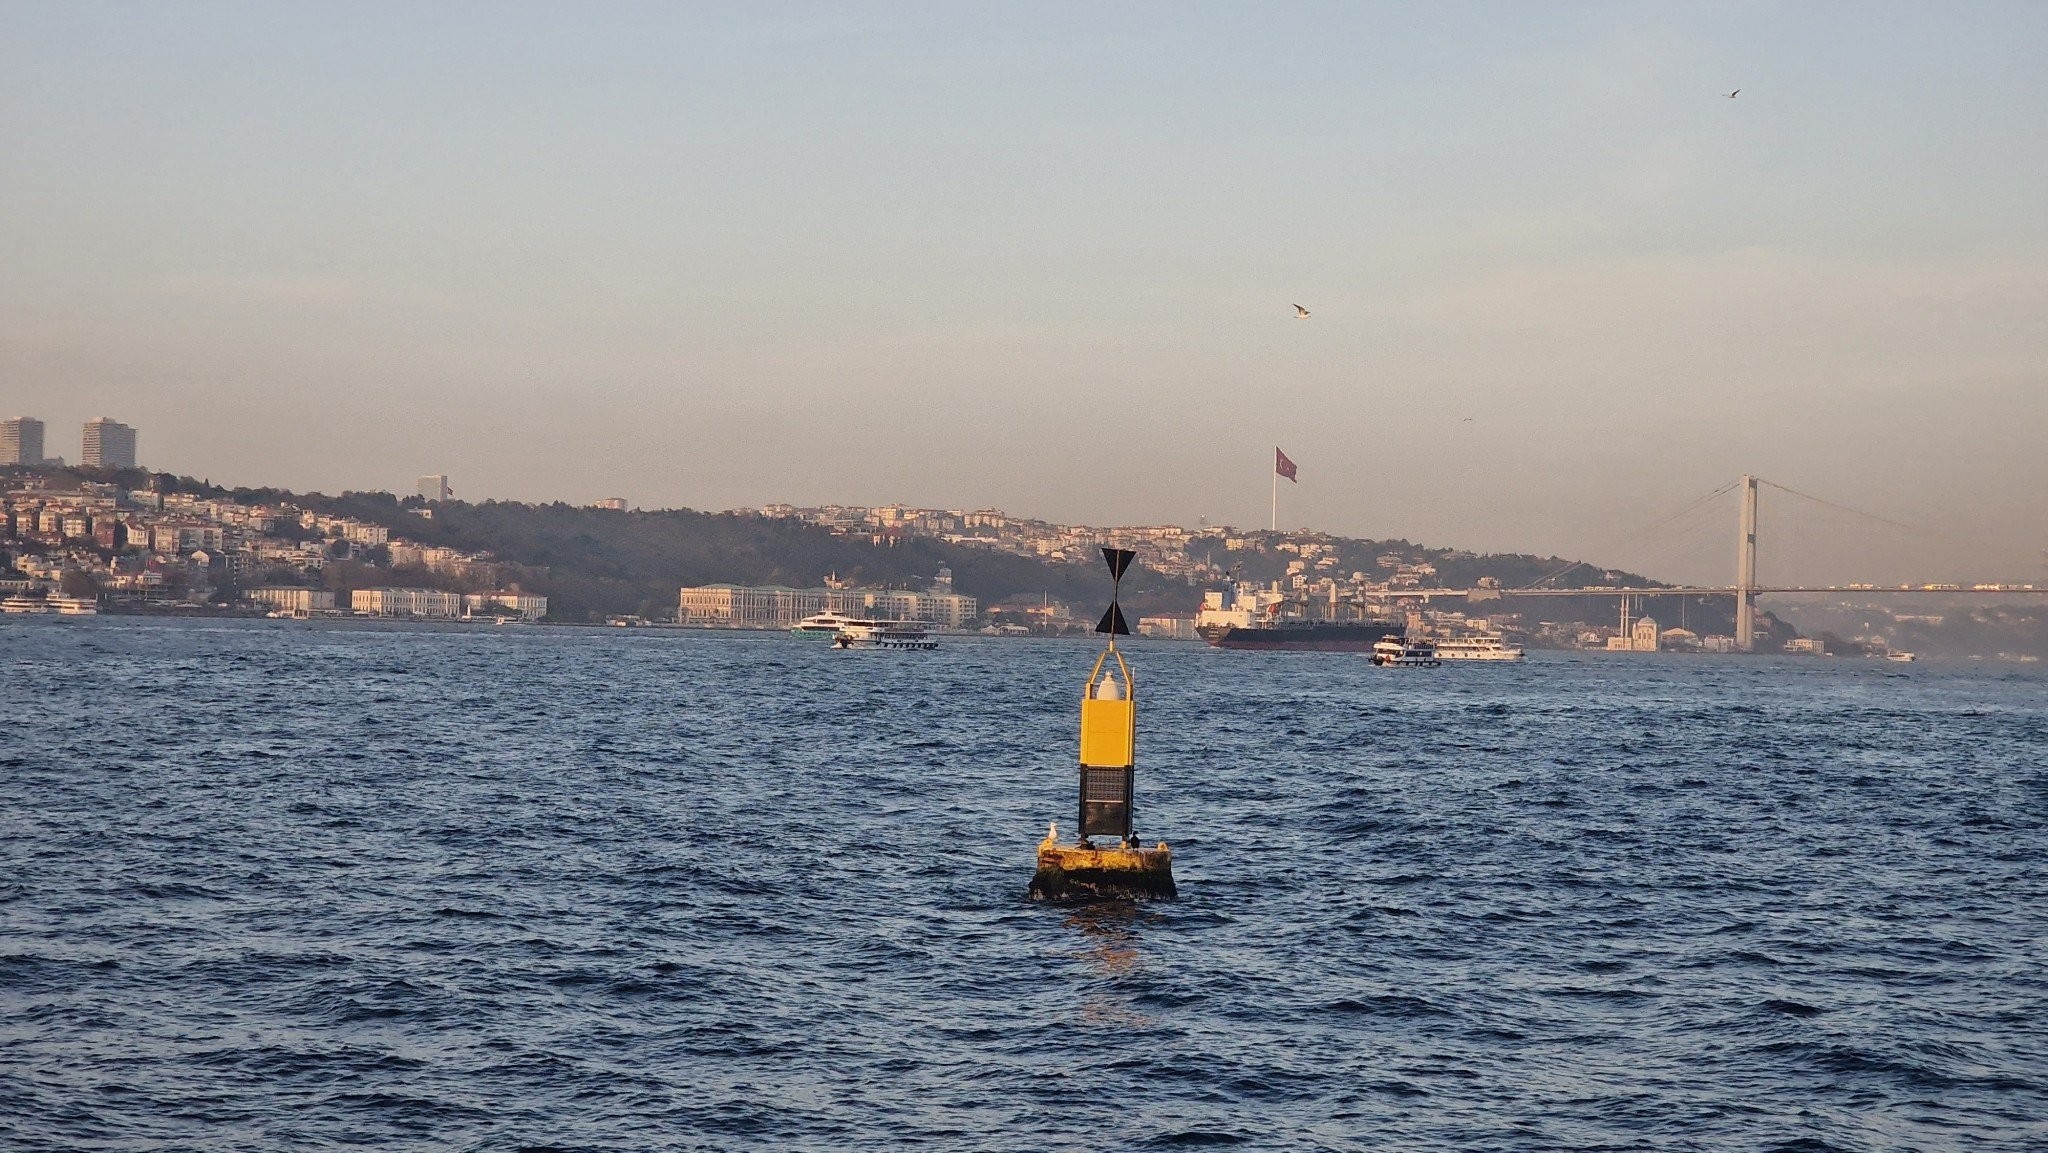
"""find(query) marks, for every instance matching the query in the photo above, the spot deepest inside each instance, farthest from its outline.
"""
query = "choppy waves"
(275, 886)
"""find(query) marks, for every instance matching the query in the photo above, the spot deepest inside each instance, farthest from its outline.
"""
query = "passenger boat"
(860, 634)
(823, 626)
(1483, 647)
(72, 606)
(1901, 657)
(1398, 652)
(23, 603)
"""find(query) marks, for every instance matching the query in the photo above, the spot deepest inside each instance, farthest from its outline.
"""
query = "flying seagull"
(1300, 313)
(1731, 95)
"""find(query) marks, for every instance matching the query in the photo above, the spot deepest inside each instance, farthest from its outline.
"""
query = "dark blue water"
(268, 886)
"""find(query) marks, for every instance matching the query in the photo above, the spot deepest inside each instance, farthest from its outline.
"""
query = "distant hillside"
(591, 563)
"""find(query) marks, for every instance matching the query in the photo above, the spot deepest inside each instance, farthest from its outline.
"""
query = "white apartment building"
(184, 537)
(436, 557)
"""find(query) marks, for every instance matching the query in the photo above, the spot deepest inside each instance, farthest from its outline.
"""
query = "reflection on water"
(1110, 928)
(1111, 932)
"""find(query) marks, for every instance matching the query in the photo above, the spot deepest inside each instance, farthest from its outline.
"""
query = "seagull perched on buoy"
(1731, 95)
(1300, 313)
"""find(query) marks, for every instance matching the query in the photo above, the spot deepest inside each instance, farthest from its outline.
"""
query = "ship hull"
(1311, 638)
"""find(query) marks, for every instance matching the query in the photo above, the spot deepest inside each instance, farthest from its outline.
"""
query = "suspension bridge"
(1745, 590)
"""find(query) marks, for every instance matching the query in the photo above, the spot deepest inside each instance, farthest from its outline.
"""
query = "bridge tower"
(1745, 570)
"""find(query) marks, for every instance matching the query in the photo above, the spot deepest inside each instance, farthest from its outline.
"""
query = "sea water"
(276, 885)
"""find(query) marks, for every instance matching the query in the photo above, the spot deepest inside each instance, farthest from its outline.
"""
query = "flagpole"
(1273, 525)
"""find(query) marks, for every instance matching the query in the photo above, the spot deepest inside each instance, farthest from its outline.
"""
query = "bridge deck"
(1718, 590)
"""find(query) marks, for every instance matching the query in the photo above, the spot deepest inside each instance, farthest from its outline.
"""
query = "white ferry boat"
(860, 634)
(1901, 657)
(825, 625)
(72, 606)
(1483, 647)
(24, 603)
(1396, 652)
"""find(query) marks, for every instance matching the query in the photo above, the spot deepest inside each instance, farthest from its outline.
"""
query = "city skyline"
(103, 443)
(1558, 283)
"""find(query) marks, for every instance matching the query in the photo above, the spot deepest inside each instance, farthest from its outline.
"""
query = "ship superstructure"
(1254, 616)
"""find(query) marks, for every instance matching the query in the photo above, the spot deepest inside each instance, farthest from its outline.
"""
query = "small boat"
(825, 625)
(859, 634)
(1482, 647)
(1399, 652)
(1901, 657)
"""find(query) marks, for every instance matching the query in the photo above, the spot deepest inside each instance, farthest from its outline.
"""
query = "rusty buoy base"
(1082, 873)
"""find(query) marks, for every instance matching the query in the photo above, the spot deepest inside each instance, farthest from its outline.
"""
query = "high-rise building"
(108, 444)
(21, 441)
(435, 487)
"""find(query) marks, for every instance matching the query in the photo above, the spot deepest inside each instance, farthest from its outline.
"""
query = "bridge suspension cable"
(1899, 524)
(1642, 534)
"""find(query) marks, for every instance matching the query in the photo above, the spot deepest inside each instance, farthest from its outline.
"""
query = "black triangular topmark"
(1113, 622)
(1118, 560)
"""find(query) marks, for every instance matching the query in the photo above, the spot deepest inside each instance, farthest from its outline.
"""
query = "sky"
(1044, 258)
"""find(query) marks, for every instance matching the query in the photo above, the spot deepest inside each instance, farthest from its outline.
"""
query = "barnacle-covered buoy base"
(1081, 872)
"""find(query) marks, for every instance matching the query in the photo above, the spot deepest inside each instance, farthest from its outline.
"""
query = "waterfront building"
(296, 600)
(21, 441)
(777, 606)
(738, 606)
(430, 604)
(945, 610)
(108, 444)
(1169, 627)
(528, 606)
(1638, 638)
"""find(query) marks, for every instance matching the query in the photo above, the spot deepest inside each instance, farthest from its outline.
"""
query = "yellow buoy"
(1109, 745)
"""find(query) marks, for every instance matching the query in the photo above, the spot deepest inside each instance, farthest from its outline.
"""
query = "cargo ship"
(1262, 618)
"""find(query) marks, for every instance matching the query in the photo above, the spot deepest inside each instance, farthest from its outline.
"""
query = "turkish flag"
(1283, 466)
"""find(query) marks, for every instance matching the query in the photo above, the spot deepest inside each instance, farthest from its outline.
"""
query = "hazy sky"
(1043, 258)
